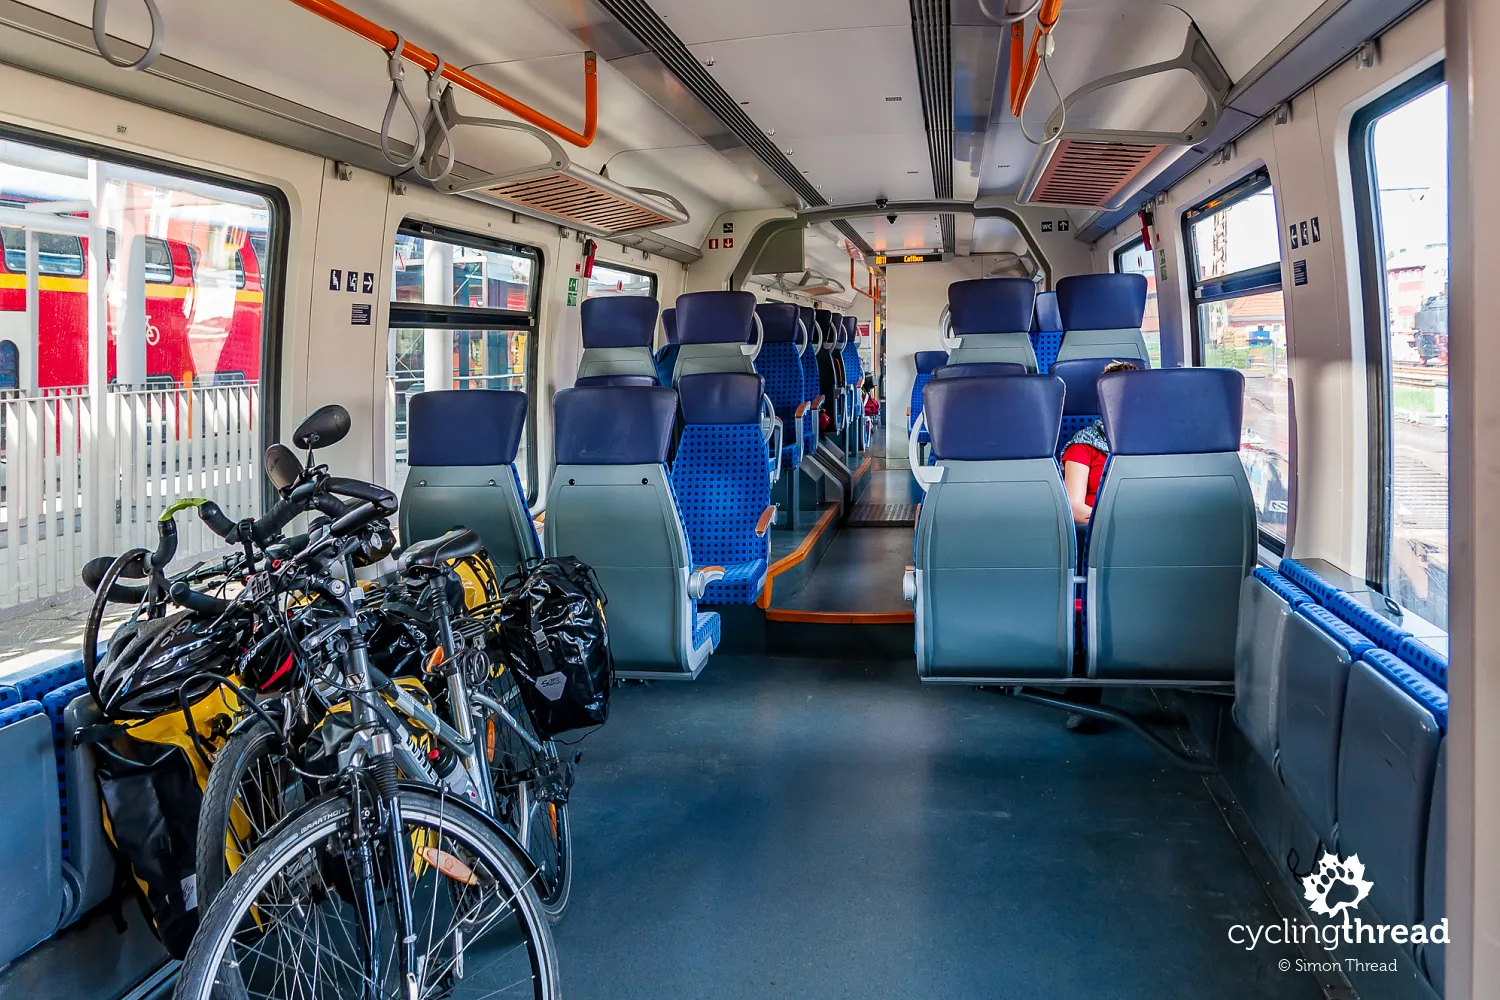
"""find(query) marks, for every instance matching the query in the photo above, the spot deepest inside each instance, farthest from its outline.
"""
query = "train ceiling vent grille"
(1089, 174)
(573, 196)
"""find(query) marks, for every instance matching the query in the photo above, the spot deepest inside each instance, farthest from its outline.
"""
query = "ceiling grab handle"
(436, 131)
(1004, 18)
(396, 70)
(153, 49)
(337, 13)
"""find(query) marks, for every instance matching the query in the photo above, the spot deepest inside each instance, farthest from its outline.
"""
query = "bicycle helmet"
(157, 665)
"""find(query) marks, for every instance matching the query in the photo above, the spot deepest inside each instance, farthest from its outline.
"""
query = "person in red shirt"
(1084, 458)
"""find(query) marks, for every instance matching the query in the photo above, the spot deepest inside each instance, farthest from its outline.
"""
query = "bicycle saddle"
(434, 552)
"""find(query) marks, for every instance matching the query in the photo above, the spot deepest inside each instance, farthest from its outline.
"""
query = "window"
(1134, 258)
(614, 279)
(463, 316)
(159, 269)
(55, 254)
(1239, 321)
(1399, 153)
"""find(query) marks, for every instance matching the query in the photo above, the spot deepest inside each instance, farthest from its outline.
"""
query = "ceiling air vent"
(1088, 174)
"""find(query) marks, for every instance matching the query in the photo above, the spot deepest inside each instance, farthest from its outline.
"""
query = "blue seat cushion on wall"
(44, 682)
(1102, 301)
(1380, 629)
(715, 317)
(1045, 317)
(55, 703)
(589, 380)
(976, 369)
(1349, 637)
(1172, 411)
(1321, 590)
(454, 427)
(613, 425)
(721, 398)
(994, 418)
(1081, 376)
(1283, 588)
(618, 321)
(8, 696)
(1434, 665)
(991, 305)
(21, 710)
(1422, 690)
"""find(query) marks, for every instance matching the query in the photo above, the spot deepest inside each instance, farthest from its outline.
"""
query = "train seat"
(86, 853)
(1321, 590)
(1388, 750)
(780, 364)
(31, 840)
(1046, 330)
(611, 506)
(979, 369)
(1430, 662)
(840, 332)
(1081, 402)
(1173, 534)
(1434, 871)
(854, 368)
(1267, 603)
(617, 335)
(995, 546)
(666, 355)
(991, 317)
(716, 332)
(461, 452)
(813, 337)
(722, 485)
(1378, 628)
(830, 386)
(927, 363)
(1101, 317)
(1318, 651)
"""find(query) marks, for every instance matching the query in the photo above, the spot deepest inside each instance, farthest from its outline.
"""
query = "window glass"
(1134, 258)
(608, 280)
(55, 253)
(1409, 155)
(159, 267)
(445, 336)
(1240, 320)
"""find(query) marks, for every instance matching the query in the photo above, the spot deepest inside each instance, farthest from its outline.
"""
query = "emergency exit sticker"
(572, 291)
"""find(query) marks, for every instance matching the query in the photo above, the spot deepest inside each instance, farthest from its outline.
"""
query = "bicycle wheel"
(250, 789)
(531, 797)
(296, 921)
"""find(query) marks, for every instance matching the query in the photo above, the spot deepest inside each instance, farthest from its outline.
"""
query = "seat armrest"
(699, 580)
(802, 410)
(909, 583)
(540, 519)
(764, 524)
(818, 401)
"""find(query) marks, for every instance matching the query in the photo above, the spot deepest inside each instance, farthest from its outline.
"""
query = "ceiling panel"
(697, 21)
(856, 169)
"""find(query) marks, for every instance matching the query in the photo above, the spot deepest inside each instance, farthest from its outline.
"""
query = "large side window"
(1399, 152)
(1134, 258)
(1239, 321)
(463, 316)
(616, 279)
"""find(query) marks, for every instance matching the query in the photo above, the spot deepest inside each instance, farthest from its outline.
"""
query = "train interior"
(1012, 440)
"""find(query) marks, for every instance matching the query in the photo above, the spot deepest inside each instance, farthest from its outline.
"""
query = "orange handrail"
(337, 13)
(1017, 39)
(1046, 20)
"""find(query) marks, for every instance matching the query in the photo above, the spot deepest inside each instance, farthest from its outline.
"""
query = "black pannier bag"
(552, 634)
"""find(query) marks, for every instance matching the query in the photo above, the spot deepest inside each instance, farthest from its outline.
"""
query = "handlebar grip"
(383, 499)
(279, 516)
(354, 520)
(166, 543)
(213, 515)
(186, 597)
(93, 572)
(330, 505)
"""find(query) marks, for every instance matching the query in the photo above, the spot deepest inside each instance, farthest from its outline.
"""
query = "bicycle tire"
(288, 848)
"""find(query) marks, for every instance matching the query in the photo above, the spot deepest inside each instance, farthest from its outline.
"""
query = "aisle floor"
(826, 829)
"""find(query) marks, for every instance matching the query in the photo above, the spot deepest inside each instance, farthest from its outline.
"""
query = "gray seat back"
(1434, 874)
(1173, 531)
(462, 447)
(617, 335)
(31, 836)
(1101, 317)
(716, 332)
(88, 860)
(611, 506)
(1266, 605)
(995, 539)
(992, 319)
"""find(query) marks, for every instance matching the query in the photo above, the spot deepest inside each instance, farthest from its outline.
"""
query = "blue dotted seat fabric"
(1422, 690)
(706, 627)
(917, 386)
(1320, 589)
(722, 488)
(809, 364)
(853, 368)
(1072, 424)
(1430, 662)
(54, 703)
(1380, 629)
(1046, 344)
(1282, 587)
(779, 365)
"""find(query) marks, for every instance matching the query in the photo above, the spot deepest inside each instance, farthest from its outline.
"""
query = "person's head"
(1121, 366)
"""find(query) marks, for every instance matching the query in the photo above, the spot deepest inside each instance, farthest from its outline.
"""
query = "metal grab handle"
(806, 339)
(153, 49)
(753, 350)
(925, 475)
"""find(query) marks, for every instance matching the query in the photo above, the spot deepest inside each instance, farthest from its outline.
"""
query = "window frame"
(1237, 284)
(1379, 392)
(641, 272)
(417, 315)
(1119, 252)
(278, 237)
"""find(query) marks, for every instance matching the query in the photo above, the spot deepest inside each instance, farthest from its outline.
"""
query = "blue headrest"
(464, 427)
(669, 324)
(991, 305)
(1044, 318)
(1102, 301)
(619, 321)
(589, 380)
(721, 398)
(994, 417)
(613, 425)
(975, 369)
(851, 328)
(836, 326)
(715, 317)
(930, 361)
(826, 335)
(1172, 411)
(779, 320)
(1080, 376)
